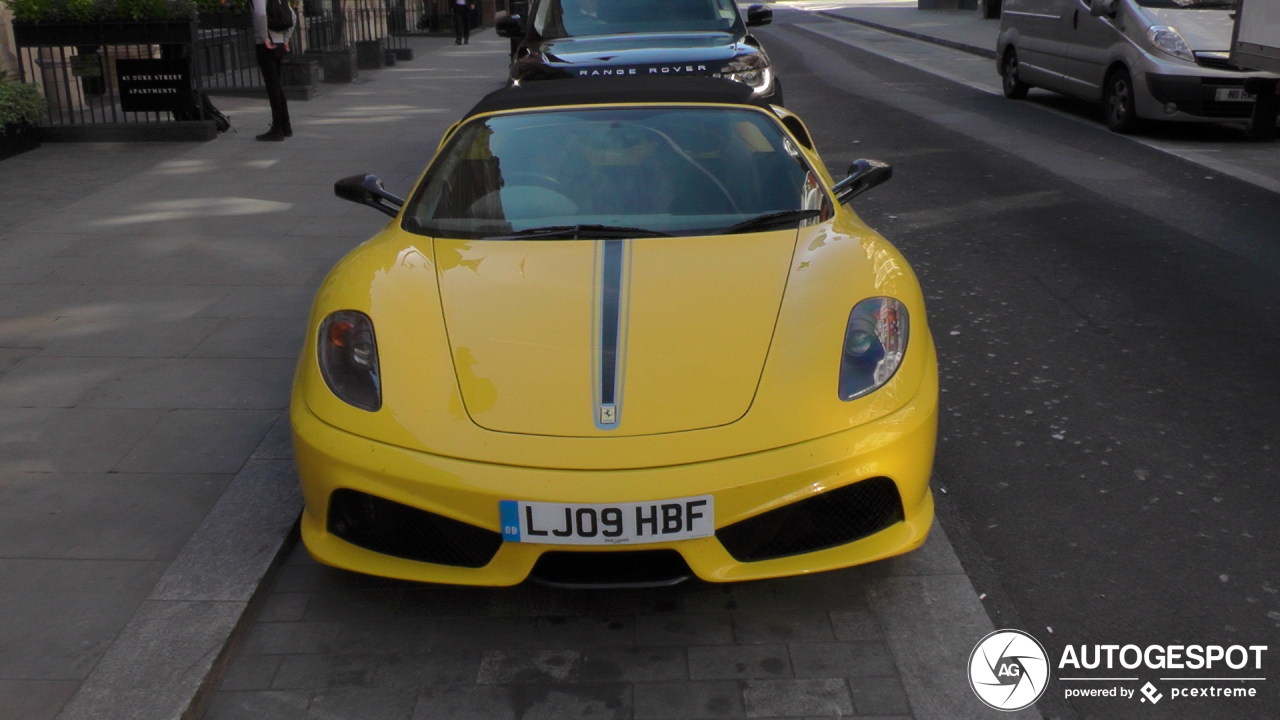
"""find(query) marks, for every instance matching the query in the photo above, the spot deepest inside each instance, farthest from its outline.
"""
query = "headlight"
(1169, 40)
(751, 70)
(875, 341)
(348, 356)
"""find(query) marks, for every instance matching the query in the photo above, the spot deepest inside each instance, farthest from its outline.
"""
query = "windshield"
(673, 171)
(570, 18)
(1188, 4)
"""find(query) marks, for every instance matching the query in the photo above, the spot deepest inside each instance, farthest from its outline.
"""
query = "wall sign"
(155, 85)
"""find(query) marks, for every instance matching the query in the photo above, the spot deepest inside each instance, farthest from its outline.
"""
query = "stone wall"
(8, 51)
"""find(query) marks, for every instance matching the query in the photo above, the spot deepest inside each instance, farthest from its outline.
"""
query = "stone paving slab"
(153, 299)
(887, 640)
(801, 647)
(834, 644)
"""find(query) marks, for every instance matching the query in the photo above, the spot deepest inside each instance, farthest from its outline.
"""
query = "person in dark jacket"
(462, 21)
(272, 46)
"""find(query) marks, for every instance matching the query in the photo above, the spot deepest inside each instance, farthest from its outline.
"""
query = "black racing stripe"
(611, 291)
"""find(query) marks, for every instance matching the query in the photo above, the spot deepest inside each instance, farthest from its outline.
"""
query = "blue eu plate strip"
(509, 510)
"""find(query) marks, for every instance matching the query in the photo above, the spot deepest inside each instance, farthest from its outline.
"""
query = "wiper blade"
(576, 232)
(769, 220)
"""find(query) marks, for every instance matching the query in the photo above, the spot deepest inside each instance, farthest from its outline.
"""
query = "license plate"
(1232, 95)
(608, 523)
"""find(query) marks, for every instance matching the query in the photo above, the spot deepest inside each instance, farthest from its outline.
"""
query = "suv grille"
(405, 532)
(832, 518)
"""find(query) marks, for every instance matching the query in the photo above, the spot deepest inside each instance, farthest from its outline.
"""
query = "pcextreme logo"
(1008, 670)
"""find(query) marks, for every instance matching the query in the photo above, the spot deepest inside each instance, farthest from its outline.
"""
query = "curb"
(172, 652)
(931, 615)
(963, 47)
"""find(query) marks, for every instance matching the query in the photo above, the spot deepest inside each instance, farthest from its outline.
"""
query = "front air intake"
(619, 569)
(390, 528)
(822, 521)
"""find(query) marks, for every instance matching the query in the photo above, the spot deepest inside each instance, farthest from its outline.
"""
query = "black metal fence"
(224, 52)
(397, 23)
(323, 30)
(74, 64)
(426, 17)
(366, 20)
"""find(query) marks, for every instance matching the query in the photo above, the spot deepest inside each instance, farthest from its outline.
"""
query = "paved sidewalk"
(328, 642)
(886, 641)
(152, 304)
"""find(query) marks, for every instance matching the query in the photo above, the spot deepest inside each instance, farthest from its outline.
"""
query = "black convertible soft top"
(618, 89)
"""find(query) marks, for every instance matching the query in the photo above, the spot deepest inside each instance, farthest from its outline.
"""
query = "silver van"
(1143, 59)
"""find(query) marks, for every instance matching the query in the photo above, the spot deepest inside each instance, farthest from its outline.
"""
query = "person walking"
(273, 24)
(462, 21)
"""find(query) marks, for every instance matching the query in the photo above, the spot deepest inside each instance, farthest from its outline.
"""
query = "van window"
(1189, 4)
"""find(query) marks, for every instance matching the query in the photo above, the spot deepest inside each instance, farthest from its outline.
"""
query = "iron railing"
(74, 65)
(224, 52)
(324, 31)
(366, 20)
(426, 17)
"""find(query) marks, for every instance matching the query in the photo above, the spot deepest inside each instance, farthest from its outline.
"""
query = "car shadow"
(1220, 132)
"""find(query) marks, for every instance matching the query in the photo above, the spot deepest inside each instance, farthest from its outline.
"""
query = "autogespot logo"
(1008, 670)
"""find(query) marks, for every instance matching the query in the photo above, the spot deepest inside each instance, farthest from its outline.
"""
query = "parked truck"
(1255, 45)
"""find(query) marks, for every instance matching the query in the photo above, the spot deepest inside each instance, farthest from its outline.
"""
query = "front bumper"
(1196, 95)
(899, 446)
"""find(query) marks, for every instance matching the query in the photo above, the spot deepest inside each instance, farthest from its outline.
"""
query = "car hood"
(695, 316)
(1205, 30)
(719, 299)
(643, 51)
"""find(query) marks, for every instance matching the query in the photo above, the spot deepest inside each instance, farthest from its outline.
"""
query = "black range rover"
(651, 38)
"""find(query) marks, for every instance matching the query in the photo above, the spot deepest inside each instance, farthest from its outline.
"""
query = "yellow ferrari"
(620, 333)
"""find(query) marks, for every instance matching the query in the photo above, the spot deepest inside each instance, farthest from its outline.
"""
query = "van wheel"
(1118, 102)
(1014, 89)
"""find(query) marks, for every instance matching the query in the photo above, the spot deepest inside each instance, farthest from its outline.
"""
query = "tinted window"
(1189, 4)
(565, 18)
(681, 171)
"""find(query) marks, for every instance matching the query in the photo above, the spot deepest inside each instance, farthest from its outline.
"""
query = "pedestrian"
(273, 24)
(462, 21)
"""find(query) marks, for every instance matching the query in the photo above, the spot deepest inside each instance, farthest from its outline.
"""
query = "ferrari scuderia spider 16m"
(617, 334)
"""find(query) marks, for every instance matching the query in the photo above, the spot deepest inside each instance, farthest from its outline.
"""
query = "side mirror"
(758, 15)
(863, 175)
(368, 190)
(509, 27)
(1098, 8)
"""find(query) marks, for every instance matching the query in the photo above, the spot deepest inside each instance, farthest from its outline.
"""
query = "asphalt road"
(1107, 332)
